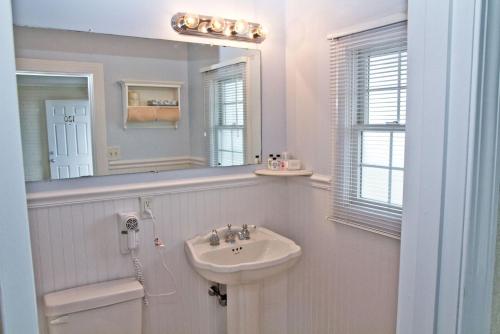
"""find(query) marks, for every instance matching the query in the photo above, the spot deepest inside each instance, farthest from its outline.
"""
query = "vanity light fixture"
(217, 27)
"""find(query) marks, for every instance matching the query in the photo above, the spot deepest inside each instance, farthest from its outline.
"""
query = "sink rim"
(189, 245)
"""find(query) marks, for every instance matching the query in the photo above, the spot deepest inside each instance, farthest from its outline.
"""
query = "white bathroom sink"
(244, 261)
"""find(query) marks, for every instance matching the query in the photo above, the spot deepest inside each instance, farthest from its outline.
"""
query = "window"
(381, 127)
(369, 72)
(229, 122)
(227, 115)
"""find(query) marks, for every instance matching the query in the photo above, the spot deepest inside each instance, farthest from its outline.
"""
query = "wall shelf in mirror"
(269, 172)
(151, 104)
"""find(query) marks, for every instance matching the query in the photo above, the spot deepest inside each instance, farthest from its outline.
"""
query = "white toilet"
(113, 307)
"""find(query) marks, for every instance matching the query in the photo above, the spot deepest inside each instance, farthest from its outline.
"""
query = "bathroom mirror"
(96, 104)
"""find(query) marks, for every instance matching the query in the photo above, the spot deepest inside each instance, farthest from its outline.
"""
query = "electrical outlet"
(146, 204)
(114, 153)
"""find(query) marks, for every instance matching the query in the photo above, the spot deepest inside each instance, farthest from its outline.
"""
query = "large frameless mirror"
(95, 104)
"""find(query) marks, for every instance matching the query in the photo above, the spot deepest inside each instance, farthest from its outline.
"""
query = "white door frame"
(444, 219)
(480, 233)
(18, 309)
(95, 74)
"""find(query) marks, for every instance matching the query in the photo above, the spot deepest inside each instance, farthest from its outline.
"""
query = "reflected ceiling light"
(217, 27)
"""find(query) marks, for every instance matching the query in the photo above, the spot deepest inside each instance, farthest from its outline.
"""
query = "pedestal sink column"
(243, 309)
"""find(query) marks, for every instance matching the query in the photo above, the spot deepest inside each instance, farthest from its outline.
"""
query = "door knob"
(52, 160)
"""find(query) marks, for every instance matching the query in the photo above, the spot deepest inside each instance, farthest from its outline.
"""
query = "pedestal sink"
(242, 266)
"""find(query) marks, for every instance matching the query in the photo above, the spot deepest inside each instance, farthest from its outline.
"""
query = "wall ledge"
(318, 181)
(154, 188)
(111, 192)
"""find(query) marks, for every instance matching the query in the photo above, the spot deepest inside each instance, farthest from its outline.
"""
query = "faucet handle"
(229, 227)
(214, 238)
(244, 234)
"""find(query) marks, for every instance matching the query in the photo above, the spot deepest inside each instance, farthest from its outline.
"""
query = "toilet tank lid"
(92, 296)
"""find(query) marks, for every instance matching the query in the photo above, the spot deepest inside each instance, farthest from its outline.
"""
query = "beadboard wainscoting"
(75, 242)
(346, 281)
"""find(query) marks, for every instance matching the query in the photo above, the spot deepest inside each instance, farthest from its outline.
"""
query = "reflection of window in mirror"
(230, 115)
(226, 109)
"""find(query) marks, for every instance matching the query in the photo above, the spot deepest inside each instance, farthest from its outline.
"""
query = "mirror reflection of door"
(56, 126)
(69, 138)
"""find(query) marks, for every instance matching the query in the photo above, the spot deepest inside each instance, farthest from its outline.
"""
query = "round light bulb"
(203, 27)
(241, 27)
(228, 31)
(191, 21)
(258, 32)
(262, 31)
(217, 24)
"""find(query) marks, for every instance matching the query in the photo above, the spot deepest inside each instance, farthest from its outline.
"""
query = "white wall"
(307, 71)
(75, 242)
(348, 281)
(17, 293)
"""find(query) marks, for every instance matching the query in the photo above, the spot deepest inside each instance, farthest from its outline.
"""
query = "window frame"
(357, 207)
(218, 115)
(212, 111)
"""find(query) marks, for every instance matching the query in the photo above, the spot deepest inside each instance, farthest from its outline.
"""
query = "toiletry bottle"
(280, 161)
(285, 156)
(275, 164)
(270, 161)
(257, 159)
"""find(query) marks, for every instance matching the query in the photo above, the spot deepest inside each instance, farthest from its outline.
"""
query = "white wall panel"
(77, 244)
(17, 293)
(346, 281)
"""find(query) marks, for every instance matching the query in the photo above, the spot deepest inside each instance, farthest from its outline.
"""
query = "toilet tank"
(113, 307)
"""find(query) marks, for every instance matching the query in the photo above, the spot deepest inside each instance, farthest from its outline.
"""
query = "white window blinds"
(368, 89)
(226, 114)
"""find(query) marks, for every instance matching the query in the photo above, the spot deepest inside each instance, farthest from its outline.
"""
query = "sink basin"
(242, 266)
(244, 261)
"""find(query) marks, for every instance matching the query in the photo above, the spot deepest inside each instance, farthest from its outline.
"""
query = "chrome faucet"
(244, 234)
(214, 238)
(230, 236)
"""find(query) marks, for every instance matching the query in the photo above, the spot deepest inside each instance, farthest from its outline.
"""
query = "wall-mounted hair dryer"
(128, 225)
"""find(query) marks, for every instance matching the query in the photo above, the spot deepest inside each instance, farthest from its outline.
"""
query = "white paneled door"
(69, 138)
